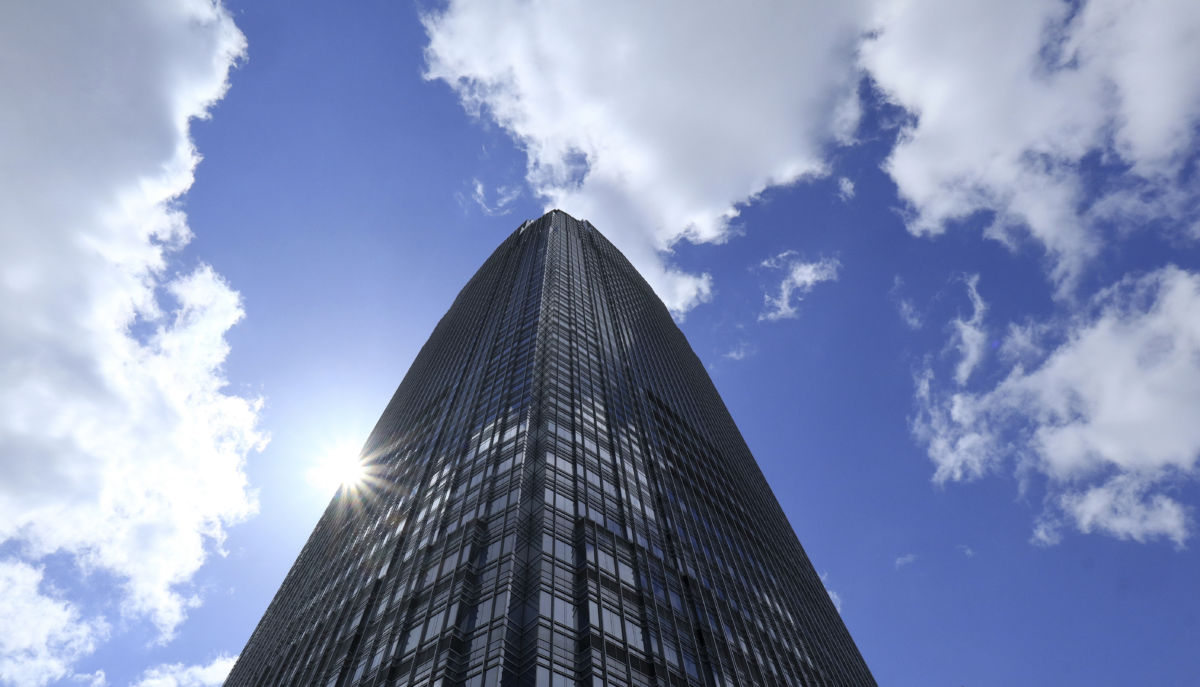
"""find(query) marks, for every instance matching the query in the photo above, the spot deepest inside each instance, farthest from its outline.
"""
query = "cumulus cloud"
(799, 278)
(123, 449)
(1105, 413)
(1014, 105)
(41, 635)
(655, 121)
(906, 559)
(179, 675)
(1062, 122)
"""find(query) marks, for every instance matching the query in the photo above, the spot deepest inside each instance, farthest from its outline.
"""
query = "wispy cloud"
(1106, 413)
(906, 559)
(799, 279)
(505, 195)
(1023, 342)
(833, 596)
(966, 550)
(124, 450)
(739, 352)
(845, 188)
(904, 307)
(970, 338)
(908, 313)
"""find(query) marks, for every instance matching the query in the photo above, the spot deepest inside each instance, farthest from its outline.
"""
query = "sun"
(340, 466)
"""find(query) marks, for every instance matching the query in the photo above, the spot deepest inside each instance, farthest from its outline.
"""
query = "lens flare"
(338, 467)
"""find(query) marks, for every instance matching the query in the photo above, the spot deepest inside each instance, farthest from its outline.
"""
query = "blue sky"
(941, 260)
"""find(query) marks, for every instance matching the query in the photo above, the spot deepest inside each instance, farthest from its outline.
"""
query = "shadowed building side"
(558, 496)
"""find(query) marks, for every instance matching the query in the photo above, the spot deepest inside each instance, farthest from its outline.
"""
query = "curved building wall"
(558, 497)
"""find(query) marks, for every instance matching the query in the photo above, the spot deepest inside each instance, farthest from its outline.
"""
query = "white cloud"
(40, 635)
(1010, 98)
(179, 675)
(836, 599)
(904, 307)
(1121, 507)
(966, 550)
(833, 596)
(122, 448)
(800, 277)
(906, 559)
(1107, 415)
(1022, 343)
(659, 126)
(656, 120)
(970, 338)
(908, 313)
(845, 188)
(505, 195)
(96, 678)
(739, 352)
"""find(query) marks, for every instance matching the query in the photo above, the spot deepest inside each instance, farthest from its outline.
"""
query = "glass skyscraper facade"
(557, 497)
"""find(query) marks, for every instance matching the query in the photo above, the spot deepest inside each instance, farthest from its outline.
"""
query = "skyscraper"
(557, 497)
